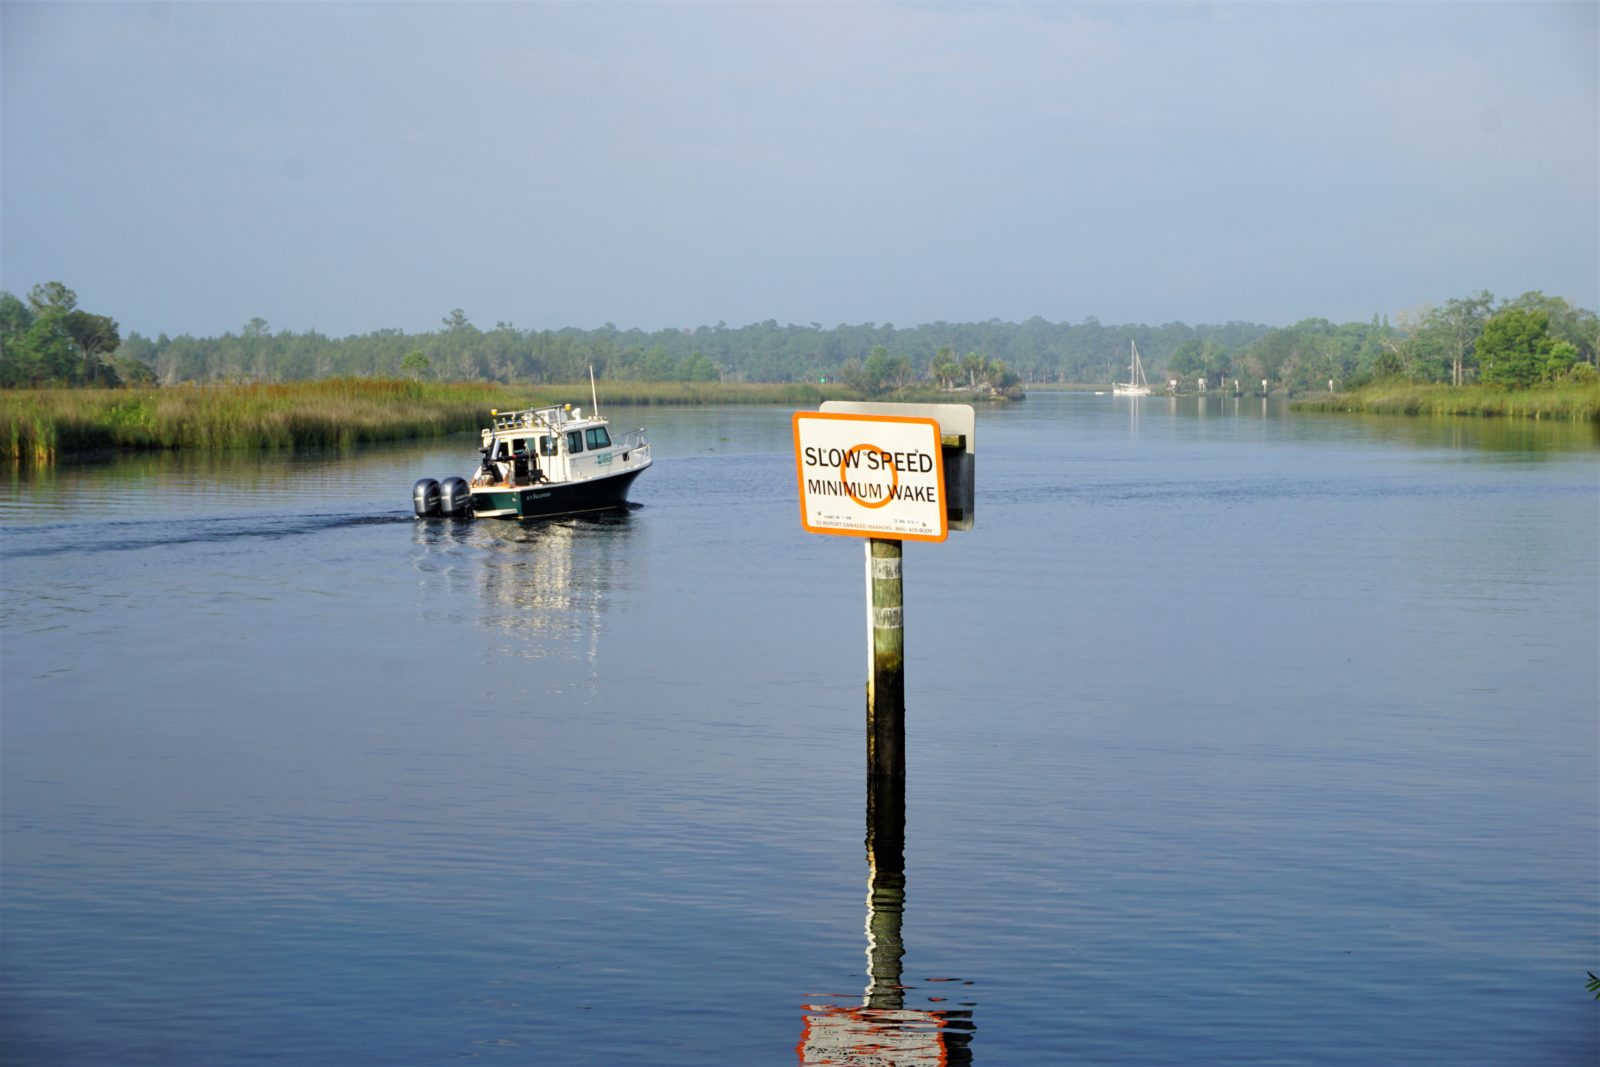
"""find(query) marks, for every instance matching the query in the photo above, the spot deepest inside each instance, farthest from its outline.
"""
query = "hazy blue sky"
(354, 166)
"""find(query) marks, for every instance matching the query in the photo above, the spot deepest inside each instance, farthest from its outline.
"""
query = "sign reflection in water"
(883, 1031)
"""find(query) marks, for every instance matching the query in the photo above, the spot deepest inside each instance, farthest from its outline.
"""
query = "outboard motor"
(425, 497)
(454, 496)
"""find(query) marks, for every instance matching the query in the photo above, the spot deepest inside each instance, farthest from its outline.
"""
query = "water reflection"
(883, 1031)
(541, 588)
(199, 483)
(1524, 438)
(1520, 438)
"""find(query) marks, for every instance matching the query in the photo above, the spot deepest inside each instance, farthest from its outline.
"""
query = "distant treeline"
(759, 352)
(46, 340)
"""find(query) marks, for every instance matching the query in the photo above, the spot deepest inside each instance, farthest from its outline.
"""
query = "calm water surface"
(1235, 737)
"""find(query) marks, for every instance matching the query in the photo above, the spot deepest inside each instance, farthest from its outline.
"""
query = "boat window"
(574, 440)
(598, 437)
(547, 446)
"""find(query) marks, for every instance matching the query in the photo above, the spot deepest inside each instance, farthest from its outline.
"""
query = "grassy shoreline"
(1574, 401)
(40, 426)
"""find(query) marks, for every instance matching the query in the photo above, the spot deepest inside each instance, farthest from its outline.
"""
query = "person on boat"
(487, 473)
(495, 468)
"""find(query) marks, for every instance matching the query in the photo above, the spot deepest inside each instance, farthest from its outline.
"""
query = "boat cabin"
(552, 444)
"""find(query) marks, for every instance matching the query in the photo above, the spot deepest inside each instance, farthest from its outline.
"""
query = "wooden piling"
(886, 691)
(886, 772)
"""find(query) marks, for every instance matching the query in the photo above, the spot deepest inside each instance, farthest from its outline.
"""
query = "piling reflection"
(886, 890)
(884, 1031)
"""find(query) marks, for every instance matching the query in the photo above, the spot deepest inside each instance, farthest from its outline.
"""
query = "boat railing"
(524, 419)
(631, 441)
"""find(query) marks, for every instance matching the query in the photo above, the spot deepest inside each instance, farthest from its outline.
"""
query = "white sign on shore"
(870, 476)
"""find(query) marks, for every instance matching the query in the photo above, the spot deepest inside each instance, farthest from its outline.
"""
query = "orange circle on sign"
(844, 478)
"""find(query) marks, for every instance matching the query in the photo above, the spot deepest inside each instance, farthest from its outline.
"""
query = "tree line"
(1516, 342)
(47, 340)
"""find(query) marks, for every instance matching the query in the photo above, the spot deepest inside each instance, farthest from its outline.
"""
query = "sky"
(350, 167)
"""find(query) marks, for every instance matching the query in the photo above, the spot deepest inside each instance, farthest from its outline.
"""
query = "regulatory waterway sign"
(870, 476)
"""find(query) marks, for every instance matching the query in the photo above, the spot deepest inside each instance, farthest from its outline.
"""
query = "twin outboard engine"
(450, 497)
(425, 497)
(454, 498)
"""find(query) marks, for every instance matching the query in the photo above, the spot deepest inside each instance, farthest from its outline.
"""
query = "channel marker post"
(885, 472)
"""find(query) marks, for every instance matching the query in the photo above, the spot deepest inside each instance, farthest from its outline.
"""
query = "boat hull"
(560, 498)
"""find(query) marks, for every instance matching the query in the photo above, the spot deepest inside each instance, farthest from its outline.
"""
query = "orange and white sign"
(870, 476)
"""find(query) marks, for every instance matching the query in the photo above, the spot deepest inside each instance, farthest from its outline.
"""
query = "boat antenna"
(595, 397)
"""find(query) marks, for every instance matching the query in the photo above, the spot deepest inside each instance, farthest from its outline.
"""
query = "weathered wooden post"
(886, 681)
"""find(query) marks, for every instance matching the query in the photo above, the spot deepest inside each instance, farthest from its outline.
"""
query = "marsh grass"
(40, 426)
(43, 425)
(1576, 401)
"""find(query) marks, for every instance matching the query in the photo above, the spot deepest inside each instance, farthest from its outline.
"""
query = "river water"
(1233, 736)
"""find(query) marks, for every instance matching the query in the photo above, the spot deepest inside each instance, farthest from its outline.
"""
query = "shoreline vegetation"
(72, 385)
(1575, 401)
(41, 426)
(48, 340)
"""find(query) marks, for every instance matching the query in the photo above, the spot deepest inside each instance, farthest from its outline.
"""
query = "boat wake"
(54, 539)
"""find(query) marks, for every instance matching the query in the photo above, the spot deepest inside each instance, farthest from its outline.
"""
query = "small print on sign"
(870, 476)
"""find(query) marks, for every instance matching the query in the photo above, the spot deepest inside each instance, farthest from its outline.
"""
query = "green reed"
(40, 426)
(1577, 401)
(43, 425)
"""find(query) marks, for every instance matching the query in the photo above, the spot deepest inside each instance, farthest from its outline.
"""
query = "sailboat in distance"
(1136, 384)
